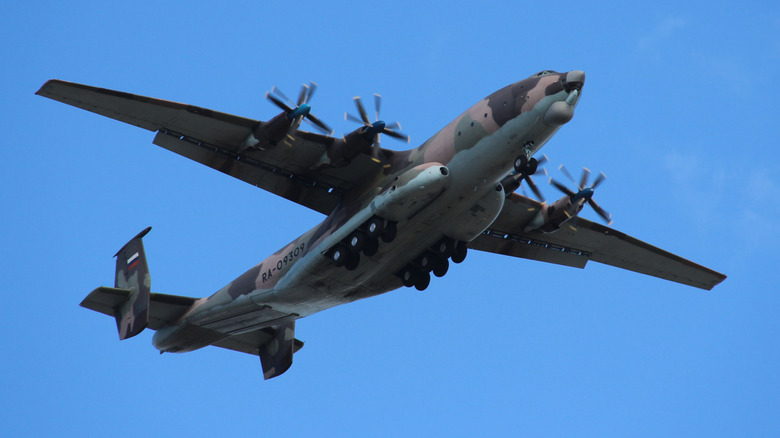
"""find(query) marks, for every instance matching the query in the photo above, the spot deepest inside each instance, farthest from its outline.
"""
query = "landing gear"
(364, 240)
(371, 247)
(339, 255)
(342, 256)
(422, 281)
(390, 231)
(440, 267)
(434, 260)
(525, 166)
(357, 241)
(460, 252)
(520, 163)
(408, 276)
(352, 262)
(375, 227)
(444, 247)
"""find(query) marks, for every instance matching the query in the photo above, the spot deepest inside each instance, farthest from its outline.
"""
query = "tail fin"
(132, 274)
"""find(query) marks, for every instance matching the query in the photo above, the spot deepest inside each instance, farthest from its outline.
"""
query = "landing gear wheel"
(422, 281)
(357, 241)
(444, 247)
(371, 247)
(425, 262)
(375, 227)
(521, 164)
(460, 252)
(408, 276)
(531, 167)
(352, 262)
(390, 232)
(440, 267)
(339, 255)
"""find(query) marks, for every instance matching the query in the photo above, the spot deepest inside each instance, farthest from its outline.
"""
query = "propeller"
(584, 191)
(373, 130)
(302, 108)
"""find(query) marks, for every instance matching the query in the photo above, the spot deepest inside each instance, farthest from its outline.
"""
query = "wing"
(214, 139)
(585, 241)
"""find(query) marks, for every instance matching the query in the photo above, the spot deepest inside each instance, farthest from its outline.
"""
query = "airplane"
(392, 218)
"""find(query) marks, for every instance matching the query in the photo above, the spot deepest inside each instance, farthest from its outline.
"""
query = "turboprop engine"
(551, 217)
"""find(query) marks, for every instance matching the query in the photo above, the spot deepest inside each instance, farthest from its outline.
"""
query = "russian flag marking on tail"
(132, 261)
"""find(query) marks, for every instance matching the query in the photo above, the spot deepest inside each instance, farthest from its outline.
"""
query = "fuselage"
(447, 188)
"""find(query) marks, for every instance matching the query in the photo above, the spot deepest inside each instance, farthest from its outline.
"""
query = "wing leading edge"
(587, 241)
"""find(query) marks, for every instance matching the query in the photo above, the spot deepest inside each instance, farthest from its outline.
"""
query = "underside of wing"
(585, 241)
(292, 169)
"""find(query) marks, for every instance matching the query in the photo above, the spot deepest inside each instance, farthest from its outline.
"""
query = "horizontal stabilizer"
(163, 308)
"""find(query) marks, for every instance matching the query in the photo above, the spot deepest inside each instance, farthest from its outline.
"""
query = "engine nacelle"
(551, 217)
(267, 134)
(342, 151)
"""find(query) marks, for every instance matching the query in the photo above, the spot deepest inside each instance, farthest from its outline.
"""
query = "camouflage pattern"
(300, 278)
(132, 273)
(393, 217)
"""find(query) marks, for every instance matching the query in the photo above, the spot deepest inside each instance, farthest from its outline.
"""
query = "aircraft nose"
(574, 80)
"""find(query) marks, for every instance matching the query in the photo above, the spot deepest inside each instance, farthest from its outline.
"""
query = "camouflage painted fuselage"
(447, 187)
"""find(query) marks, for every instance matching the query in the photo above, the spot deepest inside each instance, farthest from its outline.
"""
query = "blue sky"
(678, 110)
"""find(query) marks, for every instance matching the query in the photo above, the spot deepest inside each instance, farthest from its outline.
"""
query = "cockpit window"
(545, 73)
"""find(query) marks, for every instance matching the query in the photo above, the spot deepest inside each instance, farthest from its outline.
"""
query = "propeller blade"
(377, 104)
(296, 123)
(393, 126)
(534, 188)
(312, 88)
(561, 187)
(279, 92)
(599, 180)
(319, 124)
(395, 134)
(362, 111)
(276, 101)
(584, 178)
(567, 174)
(302, 95)
(600, 211)
(542, 160)
(351, 118)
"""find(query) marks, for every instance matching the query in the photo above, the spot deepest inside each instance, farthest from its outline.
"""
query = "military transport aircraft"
(393, 218)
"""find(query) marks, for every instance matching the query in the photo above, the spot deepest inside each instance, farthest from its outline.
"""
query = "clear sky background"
(679, 110)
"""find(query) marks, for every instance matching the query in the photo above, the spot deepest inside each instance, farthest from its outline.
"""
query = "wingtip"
(45, 85)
